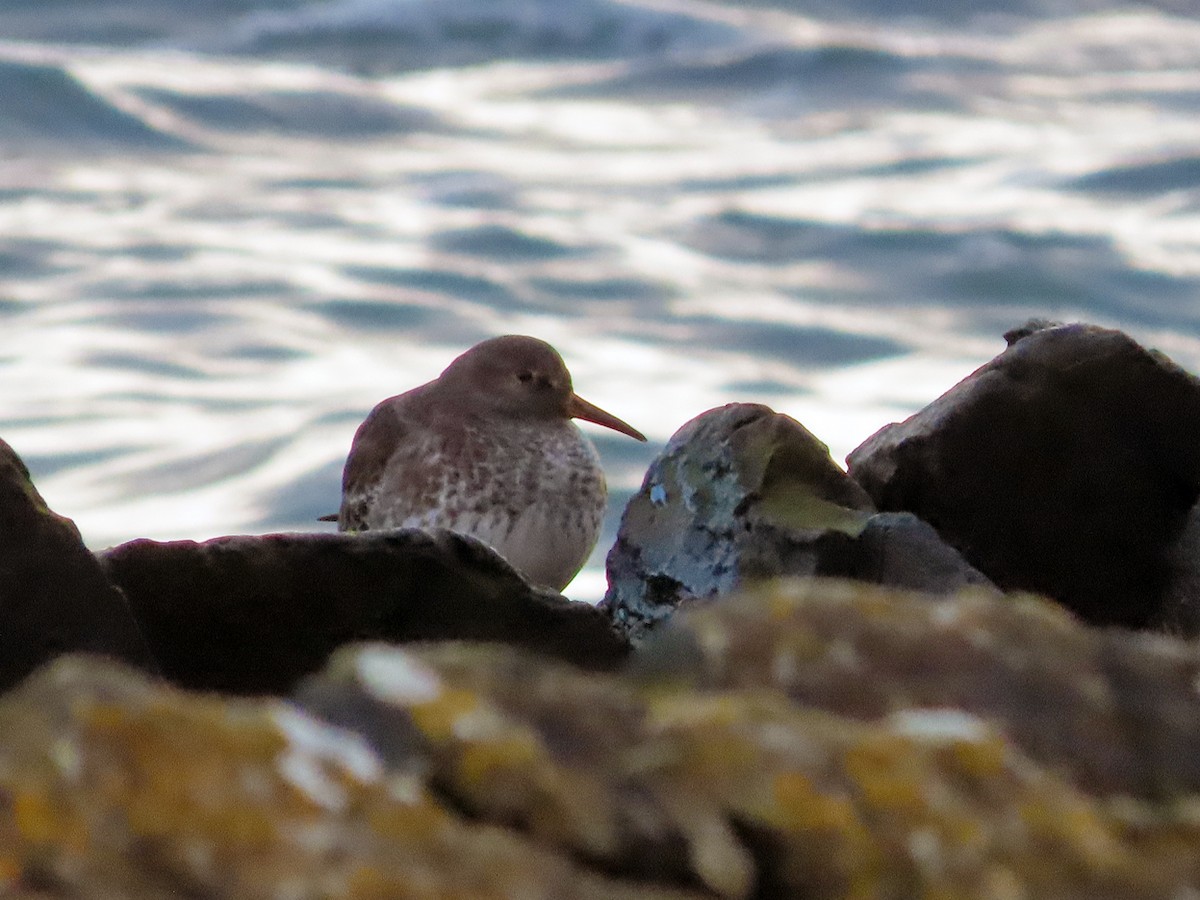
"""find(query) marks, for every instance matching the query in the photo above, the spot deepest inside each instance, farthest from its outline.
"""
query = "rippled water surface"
(228, 229)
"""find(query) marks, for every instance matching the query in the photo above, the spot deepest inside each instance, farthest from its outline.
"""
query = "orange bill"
(578, 408)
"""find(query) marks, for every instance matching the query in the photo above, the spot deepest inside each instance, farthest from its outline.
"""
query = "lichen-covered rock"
(819, 739)
(738, 492)
(743, 493)
(742, 793)
(53, 597)
(113, 788)
(252, 614)
(1115, 712)
(1067, 465)
(537, 747)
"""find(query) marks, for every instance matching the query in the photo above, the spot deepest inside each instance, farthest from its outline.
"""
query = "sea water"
(228, 229)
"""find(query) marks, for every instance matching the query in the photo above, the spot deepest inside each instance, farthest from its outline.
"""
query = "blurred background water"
(228, 228)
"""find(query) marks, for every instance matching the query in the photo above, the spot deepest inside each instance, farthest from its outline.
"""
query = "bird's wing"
(374, 443)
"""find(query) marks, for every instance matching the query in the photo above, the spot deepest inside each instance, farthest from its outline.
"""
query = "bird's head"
(519, 377)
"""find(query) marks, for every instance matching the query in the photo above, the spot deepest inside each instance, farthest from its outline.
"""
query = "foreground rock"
(53, 596)
(112, 788)
(710, 771)
(742, 493)
(252, 614)
(1068, 465)
(1116, 713)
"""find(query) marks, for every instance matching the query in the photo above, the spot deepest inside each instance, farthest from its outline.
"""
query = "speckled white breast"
(535, 493)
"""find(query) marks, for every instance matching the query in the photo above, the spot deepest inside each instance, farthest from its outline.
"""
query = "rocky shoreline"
(966, 666)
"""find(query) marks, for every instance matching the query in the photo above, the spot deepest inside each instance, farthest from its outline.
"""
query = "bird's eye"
(525, 377)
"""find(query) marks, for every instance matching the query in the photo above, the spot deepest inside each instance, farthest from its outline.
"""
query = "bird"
(487, 449)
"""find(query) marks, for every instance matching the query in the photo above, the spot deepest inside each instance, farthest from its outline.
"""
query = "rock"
(738, 492)
(736, 791)
(508, 739)
(742, 493)
(900, 550)
(1029, 327)
(1114, 712)
(115, 788)
(1180, 610)
(1067, 465)
(252, 614)
(53, 596)
(818, 739)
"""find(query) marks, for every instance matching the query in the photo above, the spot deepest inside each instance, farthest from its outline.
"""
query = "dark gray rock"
(53, 596)
(1179, 612)
(1029, 327)
(252, 614)
(1067, 466)
(900, 550)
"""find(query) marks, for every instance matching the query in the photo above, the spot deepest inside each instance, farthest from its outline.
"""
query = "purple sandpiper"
(487, 449)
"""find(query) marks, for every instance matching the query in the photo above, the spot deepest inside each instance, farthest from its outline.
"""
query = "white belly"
(540, 543)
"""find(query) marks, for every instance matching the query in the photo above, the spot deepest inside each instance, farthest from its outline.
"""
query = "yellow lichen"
(39, 820)
(672, 711)
(407, 821)
(35, 818)
(801, 807)
(982, 759)
(442, 719)
(825, 845)
(1074, 827)
(10, 871)
(780, 604)
(515, 754)
(883, 773)
(796, 505)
